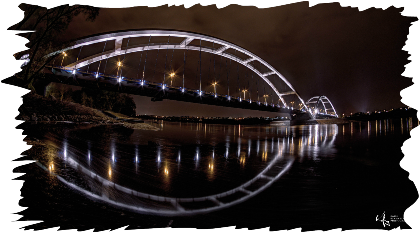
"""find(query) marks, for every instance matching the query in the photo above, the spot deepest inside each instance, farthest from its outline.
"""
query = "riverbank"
(38, 109)
(332, 121)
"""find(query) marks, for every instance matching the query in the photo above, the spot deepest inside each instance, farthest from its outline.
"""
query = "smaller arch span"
(321, 105)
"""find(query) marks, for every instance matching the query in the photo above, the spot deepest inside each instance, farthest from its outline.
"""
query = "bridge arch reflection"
(309, 141)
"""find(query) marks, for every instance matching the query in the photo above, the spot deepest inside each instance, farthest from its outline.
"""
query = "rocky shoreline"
(66, 118)
(84, 119)
(41, 110)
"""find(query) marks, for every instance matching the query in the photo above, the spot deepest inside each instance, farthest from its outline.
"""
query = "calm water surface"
(314, 176)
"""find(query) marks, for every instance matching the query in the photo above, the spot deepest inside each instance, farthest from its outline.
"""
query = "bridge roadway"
(151, 89)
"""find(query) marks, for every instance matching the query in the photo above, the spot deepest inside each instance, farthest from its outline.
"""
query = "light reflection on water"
(207, 165)
(218, 151)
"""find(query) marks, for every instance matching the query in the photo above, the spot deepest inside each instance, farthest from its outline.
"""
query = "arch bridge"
(321, 106)
(189, 41)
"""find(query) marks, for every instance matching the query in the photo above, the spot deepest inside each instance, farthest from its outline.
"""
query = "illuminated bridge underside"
(154, 91)
(189, 37)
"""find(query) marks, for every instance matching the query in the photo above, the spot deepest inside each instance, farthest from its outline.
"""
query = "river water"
(210, 175)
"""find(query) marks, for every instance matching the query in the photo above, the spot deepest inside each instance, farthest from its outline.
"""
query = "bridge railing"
(150, 83)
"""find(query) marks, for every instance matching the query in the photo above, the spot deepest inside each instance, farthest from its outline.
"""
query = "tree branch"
(20, 24)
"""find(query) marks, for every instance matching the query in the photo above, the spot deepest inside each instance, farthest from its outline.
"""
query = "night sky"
(354, 58)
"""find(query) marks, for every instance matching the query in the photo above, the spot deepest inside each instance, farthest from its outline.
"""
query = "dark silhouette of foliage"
(105, 100)
(47, 24)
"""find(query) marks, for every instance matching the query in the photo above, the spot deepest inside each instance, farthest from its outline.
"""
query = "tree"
(47, 24)
(59, 91)
(129, 107)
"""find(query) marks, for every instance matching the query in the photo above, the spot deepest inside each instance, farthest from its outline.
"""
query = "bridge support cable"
(200, 67)
(208, 74)
(97, 71)
(246, 77)
(271, 97)
(106, 63)
(141, 57)
(227, 76)
(183, 72)
(75, 67)
(237, 74)
(154, 70)
(145, 60)
(164, 69)
(87, 71)
(258, 94)
(214, 71)
(220, 68)
(196, 74)
(172, 74)
(250, 88)
(119, 80)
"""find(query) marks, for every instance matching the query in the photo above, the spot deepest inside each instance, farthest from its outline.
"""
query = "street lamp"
(119, 64)
(214, 85)
(64, 55)
(172, 75)
(244, 92)
(265, 98)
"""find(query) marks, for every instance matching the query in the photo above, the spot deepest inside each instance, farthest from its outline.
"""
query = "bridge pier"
(40, 86)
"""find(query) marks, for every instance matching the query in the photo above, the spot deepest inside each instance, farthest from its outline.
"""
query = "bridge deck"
(155, 91)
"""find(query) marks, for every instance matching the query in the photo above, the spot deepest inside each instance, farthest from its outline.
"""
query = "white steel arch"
(323, 100)
(189, 37)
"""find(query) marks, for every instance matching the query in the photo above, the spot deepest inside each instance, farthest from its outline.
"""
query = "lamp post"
(244, 92)
(64, 55)
(119, 64)
(172, 75)
(265, 98)
(214, 85)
